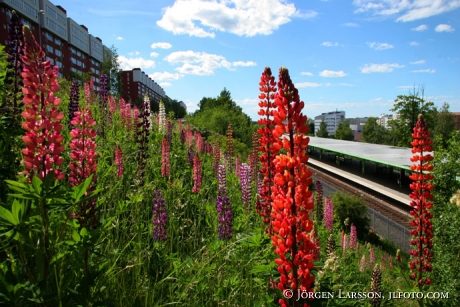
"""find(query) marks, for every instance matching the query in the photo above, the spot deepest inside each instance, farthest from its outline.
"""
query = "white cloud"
(431, 71)
(306, 73)
(165, 76)
(244, 18)
(332, 74)
(406, 10)
(153, 54)
(418, 62)
(241, 63)
(119, 38)
(134, 53)
(130, 63)
(306, 84)
(420, 28)
(444, 28)
(351, 24)
(414, 44)
(379, 46)
(161, 45)
(330, 44)
(201, 63)
(164, 84)
(368, 68)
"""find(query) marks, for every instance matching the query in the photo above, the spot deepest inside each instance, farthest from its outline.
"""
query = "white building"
(332, 120)
(384, 119)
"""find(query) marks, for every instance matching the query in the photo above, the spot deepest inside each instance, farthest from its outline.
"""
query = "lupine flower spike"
(224, 209)
(160, 217)
(196, 174)
(43, 138)
(290, 194)
(268, 145)
(421, 196)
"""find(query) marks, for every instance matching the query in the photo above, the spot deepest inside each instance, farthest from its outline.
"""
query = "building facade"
(135, 84)
(66, 43)
(332, 120)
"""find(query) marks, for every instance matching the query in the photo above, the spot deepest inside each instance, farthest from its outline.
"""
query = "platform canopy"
(398, 157)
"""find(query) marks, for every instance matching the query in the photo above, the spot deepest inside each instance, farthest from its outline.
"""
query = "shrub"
(353, 208)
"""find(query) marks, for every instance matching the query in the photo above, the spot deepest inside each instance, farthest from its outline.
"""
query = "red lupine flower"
(164, 158)
(353, 236)
(119, 161)
(196, 174)
(230, 147)
(268, 145)
(83, 163)
(43, 138)
(421, 195)
(291, 202)
(216, 156)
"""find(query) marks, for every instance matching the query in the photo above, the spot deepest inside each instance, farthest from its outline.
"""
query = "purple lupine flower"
(245, 176)
(103, 92)
(191, 155)
(169, 131)
(73, 102)
(223, 207)
(328, 214)
(319, 201)
(143, 132)
(182, 135)
(352, 236)
(160, 217)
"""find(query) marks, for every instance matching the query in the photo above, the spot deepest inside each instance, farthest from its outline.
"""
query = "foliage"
(409, 107)
(374, 133)
(445, 124)
(344, 131)
(446, 220)
(352, 208)
(111, 67)
(322, 132)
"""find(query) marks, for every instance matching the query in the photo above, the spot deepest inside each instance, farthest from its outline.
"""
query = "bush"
(353, 208)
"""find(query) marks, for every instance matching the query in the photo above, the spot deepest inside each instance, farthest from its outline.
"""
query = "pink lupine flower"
(371, 258)
(43, 138)
(119, 161)
(196, 174)
(83, 163)
(352, 236)
(328, 214)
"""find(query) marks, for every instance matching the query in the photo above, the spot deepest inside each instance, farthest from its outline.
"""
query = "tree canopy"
(344, 131)
(375, 133)
(322, 132)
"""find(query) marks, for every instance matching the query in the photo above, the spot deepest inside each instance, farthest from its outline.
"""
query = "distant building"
(357, 123)
(66, 43)
(332, 120)
(135, 84)
(384, 119)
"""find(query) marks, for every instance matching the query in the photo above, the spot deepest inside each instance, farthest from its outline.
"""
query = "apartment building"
(66, 43)
(332, 120)
(135, 84)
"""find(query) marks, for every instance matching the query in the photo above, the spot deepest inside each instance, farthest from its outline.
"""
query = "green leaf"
(17, 210)
(80, 190)
(75, 236)
(8, 216)
(83, 232)
(37, 185)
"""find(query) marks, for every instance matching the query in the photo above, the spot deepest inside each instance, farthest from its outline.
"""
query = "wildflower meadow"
(105, 203)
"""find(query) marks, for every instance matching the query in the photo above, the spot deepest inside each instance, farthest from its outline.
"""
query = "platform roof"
(389, 155)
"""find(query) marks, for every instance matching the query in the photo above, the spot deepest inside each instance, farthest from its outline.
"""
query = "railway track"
(387, 206)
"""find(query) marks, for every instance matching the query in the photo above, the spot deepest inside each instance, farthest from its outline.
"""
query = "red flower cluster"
(267, 141)
(291, 199)
(421, 196)
(119, 160)
(43, 138)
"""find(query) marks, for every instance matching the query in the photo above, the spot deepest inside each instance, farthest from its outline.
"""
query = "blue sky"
(356, 55)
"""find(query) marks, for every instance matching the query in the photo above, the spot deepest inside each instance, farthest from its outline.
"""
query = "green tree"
(343, 131)
(311, 127)
(445, 124)
(446, 217)
(374, 133)
(409, 107)
(111, 67)
(322, 132)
